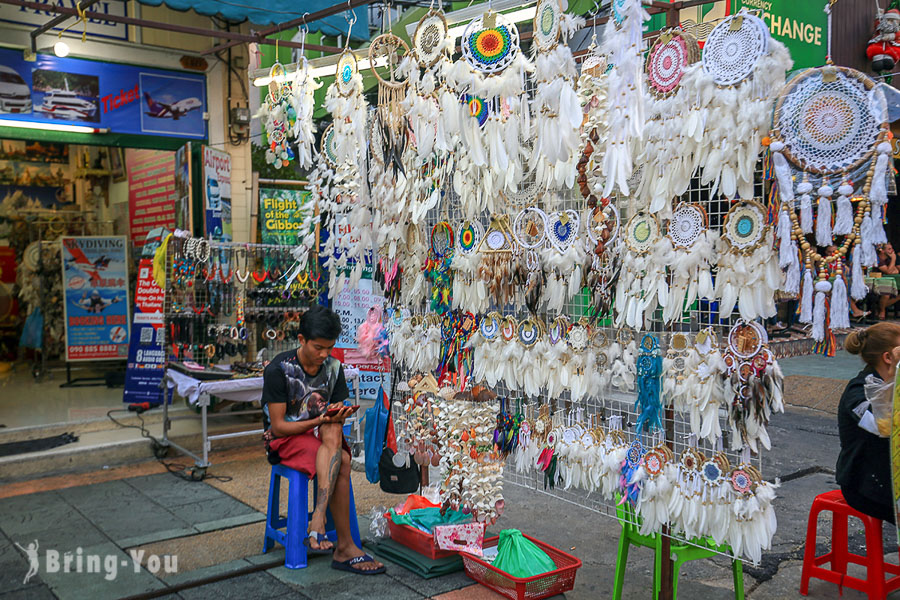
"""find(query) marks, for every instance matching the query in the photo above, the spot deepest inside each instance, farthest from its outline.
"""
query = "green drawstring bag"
(520, 557)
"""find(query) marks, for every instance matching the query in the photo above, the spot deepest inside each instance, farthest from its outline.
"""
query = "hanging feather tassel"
(806, 300)
(785, 245)
(867, 245)
(823, 217)
(782, 172)
(878, 234)
(818, 324)
(806, 214)
(840, 309)
(858, 287)
(843, 222)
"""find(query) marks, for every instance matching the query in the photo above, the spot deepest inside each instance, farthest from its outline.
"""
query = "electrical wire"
(176, 469)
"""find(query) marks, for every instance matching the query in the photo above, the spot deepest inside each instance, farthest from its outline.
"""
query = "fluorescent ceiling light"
(51, 126)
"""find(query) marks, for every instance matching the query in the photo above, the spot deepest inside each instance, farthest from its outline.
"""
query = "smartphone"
(333, 411)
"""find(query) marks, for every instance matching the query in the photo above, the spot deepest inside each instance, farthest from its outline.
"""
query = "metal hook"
(351, 19)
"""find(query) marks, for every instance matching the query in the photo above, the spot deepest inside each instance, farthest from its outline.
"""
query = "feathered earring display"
(486, 348)
(494, 116)
(756, 387)
(830, 124)
(557, 354)
(530, 335)
(670, 138)
(743, 69)
(675, 371)
(642, 282)
(469, 289)
(622, 43)
(748, 266)
(689, 253)
(649, 373)
(556, 109)
(562, 259)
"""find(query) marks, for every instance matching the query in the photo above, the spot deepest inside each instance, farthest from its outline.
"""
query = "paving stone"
(23, 515)
(426, 587)
(33, 592)
(106, 494)
(14, 567)
(170, 491)
(198, 574)
(68, 534)
(223, 507)
(372, 587)
(228, 523)
(114, 579)
(131, 520)
(253, 585)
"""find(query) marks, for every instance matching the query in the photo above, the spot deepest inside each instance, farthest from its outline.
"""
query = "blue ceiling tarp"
(273, 12)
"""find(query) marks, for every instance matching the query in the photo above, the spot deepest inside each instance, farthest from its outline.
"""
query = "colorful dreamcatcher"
(437, 267)
(490, 48)
(830, 127)
(563, 258)
(649, 372)
(748, 274)
(469, 290)
(278, 116)
(756, 385)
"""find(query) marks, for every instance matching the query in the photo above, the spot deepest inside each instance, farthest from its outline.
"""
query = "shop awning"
(273, 12)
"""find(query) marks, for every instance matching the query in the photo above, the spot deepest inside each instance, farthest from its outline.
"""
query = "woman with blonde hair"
(864, 465)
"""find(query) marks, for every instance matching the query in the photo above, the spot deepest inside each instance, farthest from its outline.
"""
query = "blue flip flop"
(347, 565)
(319, 537)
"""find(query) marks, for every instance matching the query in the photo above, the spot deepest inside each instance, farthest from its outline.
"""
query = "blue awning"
(273, 12)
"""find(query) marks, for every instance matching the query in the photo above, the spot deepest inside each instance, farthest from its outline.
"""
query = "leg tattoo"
(326, 487)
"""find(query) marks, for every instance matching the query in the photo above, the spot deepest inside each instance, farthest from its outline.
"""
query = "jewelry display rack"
(226, 305)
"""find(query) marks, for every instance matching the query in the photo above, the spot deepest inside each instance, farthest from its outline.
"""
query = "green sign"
(281, 215)
(801, 26)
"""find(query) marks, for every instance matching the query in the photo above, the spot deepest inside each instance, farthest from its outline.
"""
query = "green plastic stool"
(631, 535)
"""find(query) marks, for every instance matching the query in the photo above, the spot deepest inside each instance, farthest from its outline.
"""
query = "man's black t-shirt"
(306, 396)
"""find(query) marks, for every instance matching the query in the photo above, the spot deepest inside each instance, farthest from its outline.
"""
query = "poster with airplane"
(95, 276)
(170, 104)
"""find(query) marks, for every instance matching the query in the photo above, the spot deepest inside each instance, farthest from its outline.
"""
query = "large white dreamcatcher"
(493, 111)
(689, 252)
(674, 127)
(830, 128)
(469, 289)
(622, 43)
(748, 273)
(642, 281)
(276, 115)
(556, 110)
(742, 70)
(563, 257)
(530, 233)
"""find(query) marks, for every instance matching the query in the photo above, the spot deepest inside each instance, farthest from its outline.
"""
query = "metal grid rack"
(700, 316)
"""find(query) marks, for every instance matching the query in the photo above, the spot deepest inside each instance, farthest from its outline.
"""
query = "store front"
(87, 177)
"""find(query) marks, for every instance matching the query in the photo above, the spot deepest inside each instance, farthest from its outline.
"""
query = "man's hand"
(343, 413)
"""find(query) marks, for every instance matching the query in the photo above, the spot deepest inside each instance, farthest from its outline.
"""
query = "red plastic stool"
(874, 585)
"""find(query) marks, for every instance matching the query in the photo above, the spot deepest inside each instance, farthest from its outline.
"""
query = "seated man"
(887, 264)
(299, 387)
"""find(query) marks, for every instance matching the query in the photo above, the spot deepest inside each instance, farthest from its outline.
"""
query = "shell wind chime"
(622, 44)
(743, 69)
(830, 135)
(556, 107)
(674, 126)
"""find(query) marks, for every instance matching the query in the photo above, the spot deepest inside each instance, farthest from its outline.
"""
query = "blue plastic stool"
(297, 521)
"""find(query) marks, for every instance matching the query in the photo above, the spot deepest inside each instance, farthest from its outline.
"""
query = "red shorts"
(298, 452)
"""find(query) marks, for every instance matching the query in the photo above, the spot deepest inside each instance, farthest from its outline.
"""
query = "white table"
(197, 393)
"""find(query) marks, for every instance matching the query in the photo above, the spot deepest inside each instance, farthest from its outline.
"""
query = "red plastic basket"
(529, 588)
(417, 540)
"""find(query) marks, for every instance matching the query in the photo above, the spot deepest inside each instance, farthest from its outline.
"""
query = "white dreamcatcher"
(830, 128)
(748, 273)
(469, 289)
(563, 258)
(689, 252)
(642, 282)
(742, 70)
(556, 110)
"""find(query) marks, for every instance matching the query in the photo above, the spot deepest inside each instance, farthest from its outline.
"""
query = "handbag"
(464, 537)
(377, 419)
(397, 480)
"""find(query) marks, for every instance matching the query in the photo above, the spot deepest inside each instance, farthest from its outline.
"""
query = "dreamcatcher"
(743, 68)
(556, 109)
(622, 43)
(492, 69)
(391, 119)
(469, 289)
(748, 272)
(674, 127)
(530, 233)
(756, 385)
(278, 117)
(562, 258)
(437, 267)
(497, 252)
(689, 252)
(704, 386)
(655, 474)
(830, 126)
(648, 405)
(603, 250)
(642, 281)
(347, 105)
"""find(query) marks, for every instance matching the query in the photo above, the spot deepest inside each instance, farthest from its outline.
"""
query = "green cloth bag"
(520, 557)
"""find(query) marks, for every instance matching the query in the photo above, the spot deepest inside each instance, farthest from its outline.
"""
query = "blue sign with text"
(121, 98)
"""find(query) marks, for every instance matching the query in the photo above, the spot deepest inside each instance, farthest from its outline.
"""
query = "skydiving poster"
(95, 278)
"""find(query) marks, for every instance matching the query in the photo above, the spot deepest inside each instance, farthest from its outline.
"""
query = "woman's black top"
(864, 463)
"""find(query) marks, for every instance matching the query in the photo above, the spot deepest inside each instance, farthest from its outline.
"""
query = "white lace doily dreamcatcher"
(689, 254)
(327, 147)
(547, 20)
(829, 128)
(642, 280)
(687, 224)
(641, 233)
(734, 48)
(428, 39)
